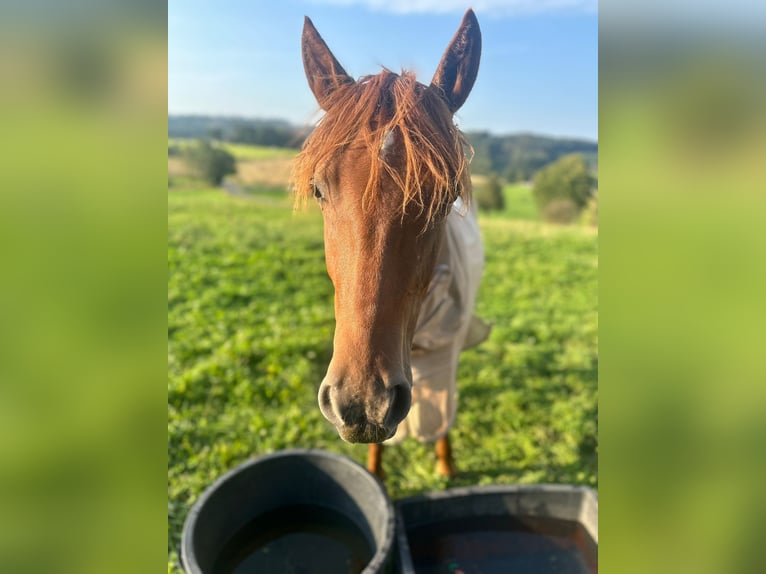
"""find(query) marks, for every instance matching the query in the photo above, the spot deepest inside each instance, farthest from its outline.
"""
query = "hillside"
(254, 131)
(516, 157)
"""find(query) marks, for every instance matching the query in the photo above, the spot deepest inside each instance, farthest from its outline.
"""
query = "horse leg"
(375, 460)
(444, 464)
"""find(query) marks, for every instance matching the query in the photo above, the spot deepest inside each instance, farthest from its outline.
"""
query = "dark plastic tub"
(530, 529)
(301, 509)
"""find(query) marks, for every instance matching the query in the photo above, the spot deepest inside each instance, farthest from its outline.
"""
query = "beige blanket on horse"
(446, 326)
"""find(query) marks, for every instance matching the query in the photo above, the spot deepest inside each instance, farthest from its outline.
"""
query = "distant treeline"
(514, 157)
(518, 157)
(276, 133)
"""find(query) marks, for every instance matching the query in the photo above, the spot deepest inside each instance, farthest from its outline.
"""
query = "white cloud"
(482, 7)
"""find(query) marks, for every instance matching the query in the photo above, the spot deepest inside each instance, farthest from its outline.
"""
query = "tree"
(567, 179)
(489, 195)
(215, 133)
(211, 162)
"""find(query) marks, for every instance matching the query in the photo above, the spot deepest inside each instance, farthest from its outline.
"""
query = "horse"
(389, 169)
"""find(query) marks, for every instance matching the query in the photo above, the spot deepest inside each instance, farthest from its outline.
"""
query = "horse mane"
(432, 168)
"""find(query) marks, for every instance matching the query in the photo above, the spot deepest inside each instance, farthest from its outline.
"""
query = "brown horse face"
(380, 265)
(379, 260)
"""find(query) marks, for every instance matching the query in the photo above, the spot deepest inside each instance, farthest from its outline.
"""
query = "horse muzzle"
(365, 417)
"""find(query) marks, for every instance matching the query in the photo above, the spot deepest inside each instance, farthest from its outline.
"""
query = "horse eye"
(316, 191)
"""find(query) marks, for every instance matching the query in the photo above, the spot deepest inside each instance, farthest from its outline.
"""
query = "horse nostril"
(401, 401)
(325, 400)
(324, 397)
(364, 417)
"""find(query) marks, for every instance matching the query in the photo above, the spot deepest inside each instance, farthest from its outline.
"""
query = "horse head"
(386, 163)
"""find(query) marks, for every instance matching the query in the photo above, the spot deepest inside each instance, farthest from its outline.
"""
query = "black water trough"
(529, 529)
(291, 511)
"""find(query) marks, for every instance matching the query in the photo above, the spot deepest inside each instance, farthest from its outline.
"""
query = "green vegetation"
(250, 323)
(211, 162)
(252, 131)
(563, 188)
(515, 157)
(489, 195)
(590, 213)
(176, 146)
(245, 151)
(519, 203)
(518, 157)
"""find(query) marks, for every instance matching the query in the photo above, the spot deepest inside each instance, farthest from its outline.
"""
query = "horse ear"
(323, 71)
(460, 64)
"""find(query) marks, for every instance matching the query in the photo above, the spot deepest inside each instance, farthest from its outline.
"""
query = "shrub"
(568, 178)
(212, 163)
(560, 211)
(489, 195)
(590, 213)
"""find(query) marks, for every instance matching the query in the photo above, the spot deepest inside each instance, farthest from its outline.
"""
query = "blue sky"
(539, 67)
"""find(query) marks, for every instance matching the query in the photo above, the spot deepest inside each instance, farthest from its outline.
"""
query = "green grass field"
(250, 323)
(519, 203)
(242, 151)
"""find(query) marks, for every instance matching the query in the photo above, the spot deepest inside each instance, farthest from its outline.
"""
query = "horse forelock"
(410, 135)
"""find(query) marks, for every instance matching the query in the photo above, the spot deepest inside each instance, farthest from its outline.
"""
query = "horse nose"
(370, 416)
(401, 401)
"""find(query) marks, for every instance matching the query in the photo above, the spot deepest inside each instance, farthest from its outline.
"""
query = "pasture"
(519, 203)
(256, 165)
(250, 324)
(242, 151)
